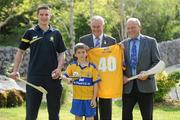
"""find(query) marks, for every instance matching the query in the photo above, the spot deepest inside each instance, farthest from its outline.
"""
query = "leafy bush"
(11, 98)
(3, 99)
(14, 98)
(165, 82)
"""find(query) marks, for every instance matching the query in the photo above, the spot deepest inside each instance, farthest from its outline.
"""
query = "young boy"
(85, 79)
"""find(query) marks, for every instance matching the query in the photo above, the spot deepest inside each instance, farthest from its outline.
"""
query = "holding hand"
(143, 75)
(56, 73)
(68, 80)
(125, 80)
(14, 75)
(93, 103)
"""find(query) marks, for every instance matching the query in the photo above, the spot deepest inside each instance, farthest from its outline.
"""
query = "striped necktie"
(97, 44)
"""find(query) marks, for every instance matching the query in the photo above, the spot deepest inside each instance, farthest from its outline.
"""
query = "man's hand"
(56, 73)
(125, 80)
(142, 75)
(14, 75)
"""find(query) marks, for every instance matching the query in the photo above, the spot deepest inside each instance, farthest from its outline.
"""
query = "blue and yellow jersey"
(83, 86)
(109, 62)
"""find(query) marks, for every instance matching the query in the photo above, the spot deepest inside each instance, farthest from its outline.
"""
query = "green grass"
(161, 112)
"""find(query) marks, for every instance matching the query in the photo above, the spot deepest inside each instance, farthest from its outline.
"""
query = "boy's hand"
(66, 79)
(69, 80)
(93, 103)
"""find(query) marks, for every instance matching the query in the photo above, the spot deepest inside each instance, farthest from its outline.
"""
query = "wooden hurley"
(159, 67)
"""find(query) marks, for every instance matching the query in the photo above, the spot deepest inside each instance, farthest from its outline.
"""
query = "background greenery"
(160, 18)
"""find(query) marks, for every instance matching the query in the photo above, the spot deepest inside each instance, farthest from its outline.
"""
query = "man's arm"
(18, 58)
(57, 72)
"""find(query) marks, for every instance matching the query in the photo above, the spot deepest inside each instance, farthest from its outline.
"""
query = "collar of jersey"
(76, 62)
(39, 29)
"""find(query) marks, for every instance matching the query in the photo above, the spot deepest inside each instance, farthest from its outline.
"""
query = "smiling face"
(97, 27)
(81, 54)
(43, 16)
(133, 28)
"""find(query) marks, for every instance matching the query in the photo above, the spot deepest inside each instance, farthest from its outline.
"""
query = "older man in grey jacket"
(141, 53)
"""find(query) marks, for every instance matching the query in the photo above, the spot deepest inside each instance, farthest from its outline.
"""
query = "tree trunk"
(72, 33)
(91, 3)
(123, 20)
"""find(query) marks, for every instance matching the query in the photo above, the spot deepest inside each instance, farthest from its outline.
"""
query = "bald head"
(133, 27)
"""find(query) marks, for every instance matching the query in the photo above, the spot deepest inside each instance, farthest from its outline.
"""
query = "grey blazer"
(88, 40)
(147, 58)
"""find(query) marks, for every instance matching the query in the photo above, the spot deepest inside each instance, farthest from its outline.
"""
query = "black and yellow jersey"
(109, 62)
(87, 77)
(44, 46)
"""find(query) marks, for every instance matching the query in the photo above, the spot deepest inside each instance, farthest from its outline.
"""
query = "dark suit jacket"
(147, 58)
(88, 40)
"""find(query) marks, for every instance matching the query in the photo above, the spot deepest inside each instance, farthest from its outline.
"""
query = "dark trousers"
(144, 100)
(105, 109)
(34, 97)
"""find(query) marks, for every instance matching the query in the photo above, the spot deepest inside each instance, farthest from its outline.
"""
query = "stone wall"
(169, 52)
(7, 55)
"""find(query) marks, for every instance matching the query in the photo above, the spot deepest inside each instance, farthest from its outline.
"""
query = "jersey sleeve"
(68, 71)
(25, 40)
(95, 75)
(60, 45)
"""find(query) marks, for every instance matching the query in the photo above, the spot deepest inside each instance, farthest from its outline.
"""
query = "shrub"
(3, 99)
(14, 98)
(165, 82)
(11, 98)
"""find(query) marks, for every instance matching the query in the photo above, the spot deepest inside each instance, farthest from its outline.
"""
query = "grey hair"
(134, 20)
(97, 18)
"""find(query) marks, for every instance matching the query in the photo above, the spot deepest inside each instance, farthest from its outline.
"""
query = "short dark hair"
(79, 46)
(43, 6)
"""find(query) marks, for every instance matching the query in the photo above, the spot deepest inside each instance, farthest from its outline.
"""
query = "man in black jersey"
(46, 60)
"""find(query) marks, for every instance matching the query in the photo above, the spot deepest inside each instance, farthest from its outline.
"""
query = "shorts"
(82, 108)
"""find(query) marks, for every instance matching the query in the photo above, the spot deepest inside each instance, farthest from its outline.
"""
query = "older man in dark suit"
(141, 53)
(98, 39)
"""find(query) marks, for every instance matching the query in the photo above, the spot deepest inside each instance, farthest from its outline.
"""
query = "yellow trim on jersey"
(25, 40)
(35, 40)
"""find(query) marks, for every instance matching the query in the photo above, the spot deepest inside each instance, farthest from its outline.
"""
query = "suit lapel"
(127, 52)
(91, 41)
(141, 48)
(104, 41)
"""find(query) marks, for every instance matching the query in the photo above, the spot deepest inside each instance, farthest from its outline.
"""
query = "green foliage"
(9, 40)
(157, 20)
(165, 83)
(3, 99)
(81, 22)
